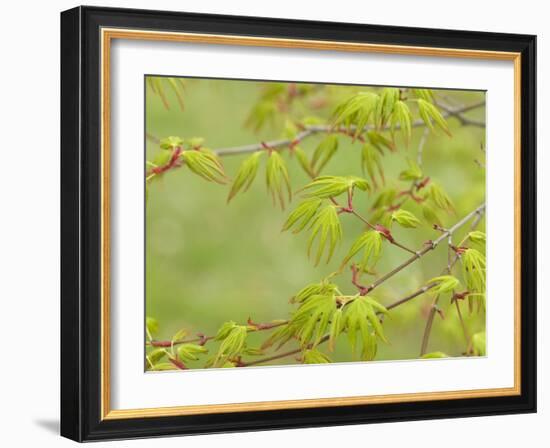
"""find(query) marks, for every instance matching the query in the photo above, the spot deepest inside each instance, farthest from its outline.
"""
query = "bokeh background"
(208, 262)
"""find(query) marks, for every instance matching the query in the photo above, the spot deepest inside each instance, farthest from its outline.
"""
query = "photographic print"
(344, 212)
(294, 223)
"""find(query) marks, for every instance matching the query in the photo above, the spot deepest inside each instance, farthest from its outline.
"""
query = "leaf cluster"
(474, 272)
(157, 85)
(246, 174)
(431, 116)
(378, 110)
(405, 219)
(322, 222)
(324, 152)
(205, 164)
(277, 179)
(233, 342)
(325, 187)
(370, 242)
(443, 284)
(361, 317)
(478, 344)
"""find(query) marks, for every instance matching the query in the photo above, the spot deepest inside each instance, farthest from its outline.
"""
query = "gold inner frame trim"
(107, 35)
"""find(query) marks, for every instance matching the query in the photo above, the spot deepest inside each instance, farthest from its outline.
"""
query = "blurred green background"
(208, 262)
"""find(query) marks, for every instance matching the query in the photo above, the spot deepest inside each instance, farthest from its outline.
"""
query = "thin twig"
(353, 212)
(428, 328)
(478, 213)
(431, 245)
(463, 324)
(417, 293)
(315, 129)
(270, 358)
(280, 355)
(203, 339)
(458, 114)
(390, 240)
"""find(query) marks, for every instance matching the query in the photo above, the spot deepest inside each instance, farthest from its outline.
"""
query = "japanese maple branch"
(428, 246)
(201, 339)
(279, 355)
(433, 244)
(385, 232)
(315, 129)
(458, 114)
(434, 308)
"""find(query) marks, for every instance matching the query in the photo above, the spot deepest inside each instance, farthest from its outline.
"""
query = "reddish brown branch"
(428, 246)
(202, 339)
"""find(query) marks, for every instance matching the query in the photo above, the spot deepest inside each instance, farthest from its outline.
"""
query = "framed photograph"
(276, 224)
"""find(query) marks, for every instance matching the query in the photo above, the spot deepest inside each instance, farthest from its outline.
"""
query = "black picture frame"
(81, 224)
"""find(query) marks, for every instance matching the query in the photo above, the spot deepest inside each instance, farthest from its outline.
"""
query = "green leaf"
(385, 198)
(246, 174)
(402, 115)
(357, 111)
(405, 219)
(424, 94)
(205, 164)
(155, 83)
(413, 172)
(473, 270)
(443, 284)
(370, 345)
(315, 357)
(430, 215)
(152, 325)
(372, 162)
(477, 237)
(233, 343)
(312, 318)
(189, 352)
(336, 327)
(379, 141)
(251, 351)
(324, 152)
(314, 289)
(156, 355)
(381, 216)
(371, 243)
(430, 115)
(325, 228)
(434, 355)
(302, 215)
(361, 316)
(479, 344)
(277, 178)
(331, 186)
(281, 335)
(262, 113)
(224, 330)
(303, 161)
(164, 366)
(273, 90)
(312, 120)
(290, 130)
(439, 197)
(177, 86)
(384, 108)
(179, 335)
(161, 158)
(171, 142)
